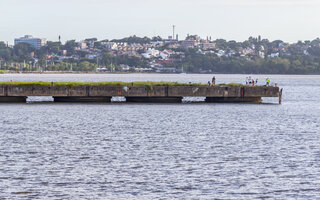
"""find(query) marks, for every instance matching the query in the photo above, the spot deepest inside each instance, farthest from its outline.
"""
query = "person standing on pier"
(213, 81)
(250, 80)
(268, 82)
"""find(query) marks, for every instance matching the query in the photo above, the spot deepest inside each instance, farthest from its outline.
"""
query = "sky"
(288, 20)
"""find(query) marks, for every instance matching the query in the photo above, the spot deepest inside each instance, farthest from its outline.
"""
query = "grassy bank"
(117, 83)
(114, 83)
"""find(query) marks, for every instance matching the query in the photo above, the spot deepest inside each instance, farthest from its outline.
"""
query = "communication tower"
(173, 27)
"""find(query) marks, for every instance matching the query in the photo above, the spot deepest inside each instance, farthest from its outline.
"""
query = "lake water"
(162, 151)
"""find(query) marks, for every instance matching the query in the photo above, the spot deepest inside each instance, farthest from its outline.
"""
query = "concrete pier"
(148, 94)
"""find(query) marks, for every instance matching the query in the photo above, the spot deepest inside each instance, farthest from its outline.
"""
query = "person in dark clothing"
(214, 81)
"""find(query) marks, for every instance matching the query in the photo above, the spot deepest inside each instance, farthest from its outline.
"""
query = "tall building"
(35, 42)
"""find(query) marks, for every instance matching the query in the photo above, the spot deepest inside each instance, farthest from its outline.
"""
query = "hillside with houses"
(142, 54)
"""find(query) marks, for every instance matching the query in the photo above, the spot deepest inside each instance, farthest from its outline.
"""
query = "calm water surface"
(162, 151)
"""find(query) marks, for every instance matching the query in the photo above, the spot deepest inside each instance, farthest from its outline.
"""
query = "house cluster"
(147, 50)
(253, 50)
(161, 54)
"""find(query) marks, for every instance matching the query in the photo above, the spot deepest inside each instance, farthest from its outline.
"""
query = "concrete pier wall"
(136, 91)
(103, 92)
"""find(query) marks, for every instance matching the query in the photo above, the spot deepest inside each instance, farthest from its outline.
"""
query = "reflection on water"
(162, 151)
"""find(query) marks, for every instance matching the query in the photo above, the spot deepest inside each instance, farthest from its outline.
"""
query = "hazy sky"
(289, 20)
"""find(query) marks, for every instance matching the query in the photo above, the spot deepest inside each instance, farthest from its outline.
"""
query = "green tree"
(134, 39)
(70, 47)
(86, 66)
(22, 51)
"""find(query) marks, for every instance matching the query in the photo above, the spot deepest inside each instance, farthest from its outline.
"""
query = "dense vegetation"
(134, 39)
(299, 58)
(290, 64)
